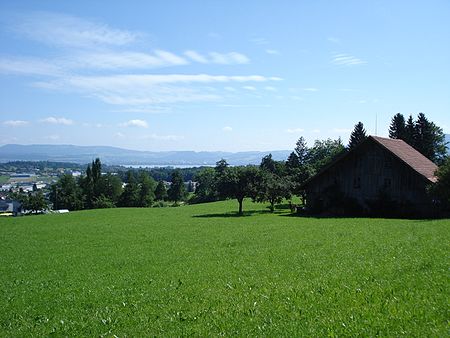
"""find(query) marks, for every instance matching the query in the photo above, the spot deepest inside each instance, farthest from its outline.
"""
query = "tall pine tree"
(397, 129)
(357, 136)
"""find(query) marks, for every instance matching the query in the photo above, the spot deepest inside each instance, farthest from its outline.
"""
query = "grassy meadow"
(200, 270)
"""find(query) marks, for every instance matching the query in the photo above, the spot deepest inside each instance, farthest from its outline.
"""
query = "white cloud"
(270, 88)
(228, 58)
(170, 58)
(347, 60)
(57, 120)
(230, 89)
(251, 88)
(65, 30)
(15, 123)
(52, 137)
(295, 130)
(29, 66)
(195, 56)
(272, 52)
(334, 40)
(227, 129)
(315, 131)
(260, 41)
(311, 89)
(135, 123)
(146, 89)
(119, 135)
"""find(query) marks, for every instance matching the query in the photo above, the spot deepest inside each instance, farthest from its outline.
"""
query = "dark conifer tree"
(397, 129)
(357, 136)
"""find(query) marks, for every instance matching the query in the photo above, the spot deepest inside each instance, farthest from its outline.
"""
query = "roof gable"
(400, 149)
(409, 156)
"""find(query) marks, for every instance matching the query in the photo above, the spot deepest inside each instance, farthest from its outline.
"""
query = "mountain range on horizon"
(120, 156)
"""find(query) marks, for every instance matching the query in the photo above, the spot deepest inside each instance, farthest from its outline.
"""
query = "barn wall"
(364, 175)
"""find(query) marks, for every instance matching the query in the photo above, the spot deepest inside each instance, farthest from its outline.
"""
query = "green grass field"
(4, 179)
(199, 270)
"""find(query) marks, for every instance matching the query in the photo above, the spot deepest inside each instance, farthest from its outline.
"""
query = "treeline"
(271, 181)
(94, 190)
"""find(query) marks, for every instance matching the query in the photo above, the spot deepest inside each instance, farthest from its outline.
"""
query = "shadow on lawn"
(234, 214)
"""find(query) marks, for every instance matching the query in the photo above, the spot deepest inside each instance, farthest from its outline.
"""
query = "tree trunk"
(240, 200)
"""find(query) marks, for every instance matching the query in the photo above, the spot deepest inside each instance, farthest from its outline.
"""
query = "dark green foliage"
(425, 136)
(301, 150)
(130, 195)
(66, 194)
(103, 202)
(357, 136)
(206, 186)
(324, 152)
(161, 192)
(292, 163)
(397, 129)
(177, 190)
(110, 186)
(441, 189)
(236, 182)
(429, 139)
(146, 190)
(35, 202)
(272, 188)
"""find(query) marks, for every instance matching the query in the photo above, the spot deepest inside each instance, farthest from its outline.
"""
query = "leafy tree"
(35, 202)
(397, 129)
(238, 183)
(272, 188)
(177, 190)
(441, 189)
(130, 194)
(324, 152)
(110, 186)
(103, 202)
(146, 190)
(66, 194)
(357, 136)
(206, 186)
(161, 192)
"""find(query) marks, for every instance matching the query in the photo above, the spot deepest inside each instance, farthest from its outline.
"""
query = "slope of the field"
(198, 270)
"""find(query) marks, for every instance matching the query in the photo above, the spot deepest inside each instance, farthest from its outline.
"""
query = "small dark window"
(357, 182)
(387, 182)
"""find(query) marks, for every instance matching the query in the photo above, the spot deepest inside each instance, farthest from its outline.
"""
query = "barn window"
(387, 182)
(357, 182)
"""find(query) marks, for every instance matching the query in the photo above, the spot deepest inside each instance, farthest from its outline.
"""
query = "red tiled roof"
(409, 155)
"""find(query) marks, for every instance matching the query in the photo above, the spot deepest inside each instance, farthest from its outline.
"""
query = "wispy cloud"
(29, 66)
(334, 39)
(310, 89)
(347, 60)
(260, 41)
(227, 129)
(15, 123)
(295, 130)
(69, 31)
(142, 89)
(135, 123)
(58, 120)
(272, 52)
(251, 88)
(270, 88)
(219, 58)
(164, 137)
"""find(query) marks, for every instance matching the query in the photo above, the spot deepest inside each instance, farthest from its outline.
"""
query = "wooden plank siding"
(365, 175)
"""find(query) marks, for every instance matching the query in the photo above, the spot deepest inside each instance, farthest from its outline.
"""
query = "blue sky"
(218, 75)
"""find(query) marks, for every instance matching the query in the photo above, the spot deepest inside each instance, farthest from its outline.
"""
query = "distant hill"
(119, 156)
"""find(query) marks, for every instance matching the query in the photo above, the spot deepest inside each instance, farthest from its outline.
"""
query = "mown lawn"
(199, 270)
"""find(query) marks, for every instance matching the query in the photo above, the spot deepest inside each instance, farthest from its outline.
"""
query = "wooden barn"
(379, 177)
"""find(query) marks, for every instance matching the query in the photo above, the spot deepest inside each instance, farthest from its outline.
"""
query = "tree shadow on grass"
(234, 214)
